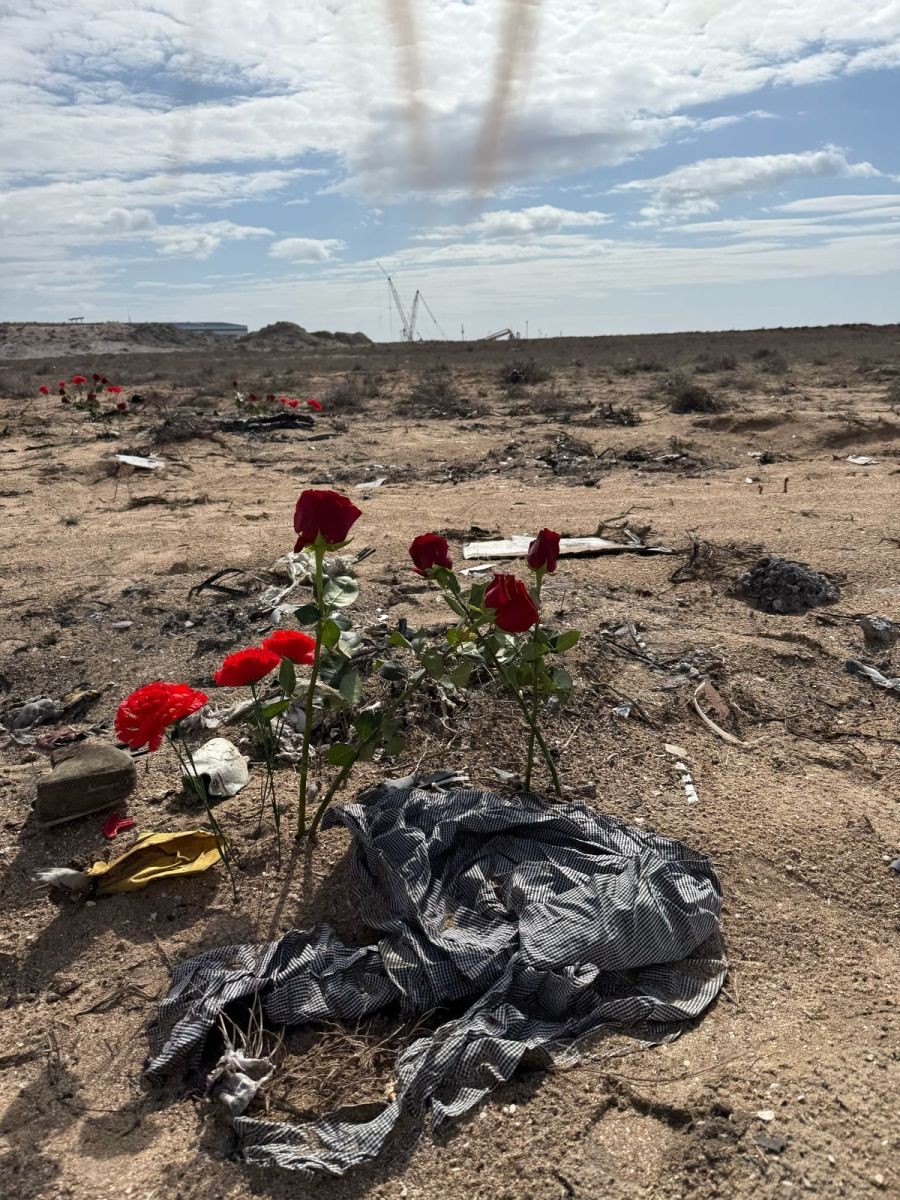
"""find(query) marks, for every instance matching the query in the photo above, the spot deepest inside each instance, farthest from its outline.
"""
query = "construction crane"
(498, 336)
(408, 320)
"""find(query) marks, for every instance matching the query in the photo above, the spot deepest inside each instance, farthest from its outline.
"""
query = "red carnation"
(291, 643)
(104, 380)
(143, 718)
(62, 385)
(314, 404)
(512, 603)
(544, 551)
(430, 550)
(293, 403)
(44, 390)
(253, 398)
(114, 389)
(246, 666)
(78, 380)
(96, 378)
(324, 514)
(122, 406)
(270, 397)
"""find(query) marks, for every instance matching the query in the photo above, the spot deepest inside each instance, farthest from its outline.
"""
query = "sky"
(553, 166)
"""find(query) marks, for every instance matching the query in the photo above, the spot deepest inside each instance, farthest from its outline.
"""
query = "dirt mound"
(37, 339)
(285, 335)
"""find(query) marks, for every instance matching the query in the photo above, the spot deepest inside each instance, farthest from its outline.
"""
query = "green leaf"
(307, 614)
(366, 724)
(350, 687)
(562, 680)
(331, 633)
(342, 620)
(433, 662)
(397, 639)
(476, 595)
(532, 651)
(459, 676)
(394, 745)
(393, 671)
(275, 709)
(340, 591)
(341, 755)
(287, 677)
(565, 641)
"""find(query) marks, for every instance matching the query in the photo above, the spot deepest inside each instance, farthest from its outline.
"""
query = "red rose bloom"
(544, 551)
(143, 718)
(113, 389)
(246, 666)
(511, 601)
(270, 397)
(122, 406)
(96, 378)
(314, 404)
(44, 390)
(293, 403)
(323, 513)
(104, 380)
(291, 643)
(430, 550)
(78, 380)
(253, 397)
(62, 385)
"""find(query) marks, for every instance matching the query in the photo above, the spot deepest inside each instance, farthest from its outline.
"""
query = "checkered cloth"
(529, 927)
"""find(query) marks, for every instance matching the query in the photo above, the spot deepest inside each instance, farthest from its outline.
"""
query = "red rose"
(544, 551)
(291, 643)
(293, 403)
(62, 385)
(512, 603)
(270, 397)
(246, 666)
(430, 550)
(314, 404)
(96, 378)
(253, 397)
(44, 390)
(113, 389)
(323, 514)
(143, 718)
(78, 380)
(104, 380)
(122, 406)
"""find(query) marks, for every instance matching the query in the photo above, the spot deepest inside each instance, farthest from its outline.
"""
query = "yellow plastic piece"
(155, 856)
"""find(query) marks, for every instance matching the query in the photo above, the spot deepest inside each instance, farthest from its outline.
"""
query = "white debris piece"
(517, 547)
(140, 463)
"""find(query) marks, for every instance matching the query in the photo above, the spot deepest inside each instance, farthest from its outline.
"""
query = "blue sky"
(629, 166)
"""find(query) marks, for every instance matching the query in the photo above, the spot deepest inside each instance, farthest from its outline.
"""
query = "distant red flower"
(246, 666)
(291, 643)
(512, 603)
(122, 406)
(293, 403)
(104, 380)
(315, 405)
(253, 397)
(270, 397)
(62, 385)
(44, 390)
(144, 716)
(96, 378)
(115, 823)
(325, 513)
(430, 550)
(283, 399)
(544, 551)
(114, 389)
(78, 380)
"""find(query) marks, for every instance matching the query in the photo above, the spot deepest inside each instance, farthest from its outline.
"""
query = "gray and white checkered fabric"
(532, 927)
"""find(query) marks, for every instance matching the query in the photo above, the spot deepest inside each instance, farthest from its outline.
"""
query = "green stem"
(319, 550)
(190, 769)
(269, 742)
(535, 695)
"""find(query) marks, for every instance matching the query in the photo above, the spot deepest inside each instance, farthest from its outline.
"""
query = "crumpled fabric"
(529, 927)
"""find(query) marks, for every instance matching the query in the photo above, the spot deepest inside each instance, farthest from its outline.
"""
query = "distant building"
(226, 328)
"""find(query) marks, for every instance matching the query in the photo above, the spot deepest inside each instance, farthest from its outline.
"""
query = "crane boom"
(413, 315)
(404, 319)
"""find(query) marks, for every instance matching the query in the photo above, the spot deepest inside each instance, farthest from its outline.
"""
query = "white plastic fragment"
(372, 483)
(140, 463)
(517, 547)
(64, 878)
(675, 751)
(861, 460)
(687, 782)
(221, 766)
(765, 1114)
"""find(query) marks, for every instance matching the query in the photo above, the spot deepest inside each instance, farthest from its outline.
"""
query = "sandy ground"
(801, 825)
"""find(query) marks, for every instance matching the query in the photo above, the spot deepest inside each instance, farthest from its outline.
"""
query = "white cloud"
(522, 223)
(700, 186)
(840, 204)
(306, 250)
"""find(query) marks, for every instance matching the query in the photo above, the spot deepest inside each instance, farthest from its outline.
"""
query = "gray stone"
(779, 585)
(86, 778)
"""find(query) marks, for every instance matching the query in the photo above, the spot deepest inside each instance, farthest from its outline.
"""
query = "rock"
(880, 633)
(772, 1143)
(86, 778)
(779, 585)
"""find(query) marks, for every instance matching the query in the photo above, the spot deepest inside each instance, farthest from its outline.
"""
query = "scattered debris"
(140, 463)
(861, 460)
(153, 856)
(709, 693)
(853, 667)
(115, 824)
(39, 711)
(772, 1143)
(372, 483)
(765, 1114)
(780, 585)
(675, 751)
(517, 547)
(221, 767)
(86, 778)
(687, 782)
(880, 633)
